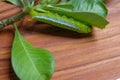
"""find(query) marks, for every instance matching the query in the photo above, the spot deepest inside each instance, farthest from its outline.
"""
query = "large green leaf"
(95, 6)
(31, 63)
(86, 17)
(61, 21)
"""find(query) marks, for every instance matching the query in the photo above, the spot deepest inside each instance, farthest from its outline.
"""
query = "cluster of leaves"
(32, 63)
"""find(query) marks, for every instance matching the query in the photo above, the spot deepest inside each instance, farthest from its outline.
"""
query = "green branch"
(11, 20)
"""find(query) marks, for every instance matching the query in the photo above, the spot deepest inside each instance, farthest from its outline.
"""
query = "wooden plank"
(78, 57)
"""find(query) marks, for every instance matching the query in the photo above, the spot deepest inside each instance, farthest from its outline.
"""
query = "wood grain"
(78, 56)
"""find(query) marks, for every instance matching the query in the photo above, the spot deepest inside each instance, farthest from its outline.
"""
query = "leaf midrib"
(27, 53)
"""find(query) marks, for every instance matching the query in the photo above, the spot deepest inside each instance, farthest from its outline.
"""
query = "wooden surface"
(78, 57)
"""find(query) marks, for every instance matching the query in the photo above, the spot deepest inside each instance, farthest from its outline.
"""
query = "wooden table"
(78, 57)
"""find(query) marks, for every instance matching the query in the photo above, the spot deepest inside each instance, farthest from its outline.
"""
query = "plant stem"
(11, 20)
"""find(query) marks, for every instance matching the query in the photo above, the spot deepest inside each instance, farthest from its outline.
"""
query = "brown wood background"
(78, 57)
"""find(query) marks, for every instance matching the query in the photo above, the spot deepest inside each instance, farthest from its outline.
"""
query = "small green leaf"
(31, 63)
(20, 3)
(49, 1)
(15, 2)
(63, 5)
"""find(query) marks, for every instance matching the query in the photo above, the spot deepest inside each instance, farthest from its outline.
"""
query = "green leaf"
(63, 6)
(53, 1)
(90, 18)
(15, 2)
(20, 3)
(67, 7)
(85, 17)
(31, 63)
(49, 1)
(95, 6)
(61, 21)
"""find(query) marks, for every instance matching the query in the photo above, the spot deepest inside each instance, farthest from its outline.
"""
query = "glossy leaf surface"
(95, 6)
(62, 21)
(31, 63)
(86, 17)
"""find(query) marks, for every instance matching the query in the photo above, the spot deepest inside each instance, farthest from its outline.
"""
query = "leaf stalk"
(11, 20)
